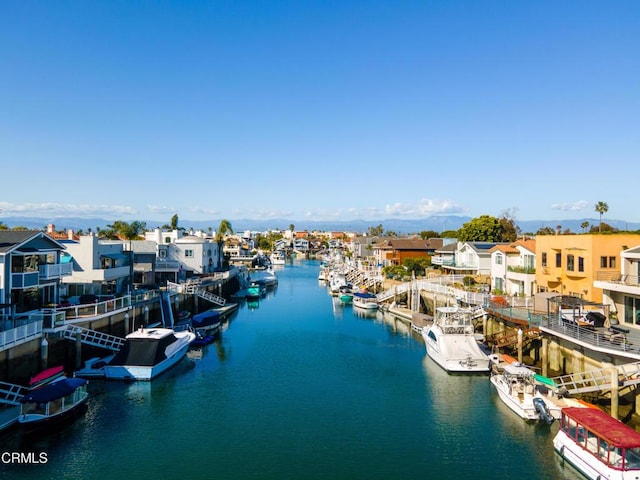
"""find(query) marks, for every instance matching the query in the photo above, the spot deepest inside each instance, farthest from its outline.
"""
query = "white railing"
(19, 335)
(58, 270)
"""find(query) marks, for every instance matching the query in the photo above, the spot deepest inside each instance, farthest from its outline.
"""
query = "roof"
(607, 427)
(11, 240)
(53, 391)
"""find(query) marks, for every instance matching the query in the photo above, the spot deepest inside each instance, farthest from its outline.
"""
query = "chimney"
(51, 228)
(70, 234)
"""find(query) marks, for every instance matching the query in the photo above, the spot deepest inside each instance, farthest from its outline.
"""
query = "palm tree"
(223, 229)
(601, 208)
(584, 226)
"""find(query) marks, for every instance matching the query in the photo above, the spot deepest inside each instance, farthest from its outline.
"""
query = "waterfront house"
(513, 268)
(469, 258)
(570, 264)
(621, 290)
(301, 244)
(31, 270)
(197, 255)
(395, 251)
(100, 267)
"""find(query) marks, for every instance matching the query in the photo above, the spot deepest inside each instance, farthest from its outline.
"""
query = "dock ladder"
(93, 337)
(599, 380)
(10, 394)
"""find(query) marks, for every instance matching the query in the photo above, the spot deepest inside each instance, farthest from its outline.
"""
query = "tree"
(584, 226)
(510, 230)
(484, 228)
(375, 231)
(174, 222)
(426, 234)
(450, 234)
(601, 208)
(223, 229)
(545, 231)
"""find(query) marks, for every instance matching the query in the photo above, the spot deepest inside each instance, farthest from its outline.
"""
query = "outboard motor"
(543, 410)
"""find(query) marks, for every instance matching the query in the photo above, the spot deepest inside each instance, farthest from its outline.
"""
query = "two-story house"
(31, 269)
(621, 290)
(513, 268)
(100, 267)
(570, 264)
(395, 251)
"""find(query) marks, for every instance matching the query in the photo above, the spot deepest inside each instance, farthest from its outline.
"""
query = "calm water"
(298, 388)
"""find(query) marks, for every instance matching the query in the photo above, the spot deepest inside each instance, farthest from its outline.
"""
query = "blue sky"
(319, 110)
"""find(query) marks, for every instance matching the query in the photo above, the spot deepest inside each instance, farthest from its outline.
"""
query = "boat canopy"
(365, 295)
(607, 427)
(143, 351)
(206, 318)
(53, 391)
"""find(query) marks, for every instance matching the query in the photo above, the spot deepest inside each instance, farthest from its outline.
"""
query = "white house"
(621, 290)
(513, 268)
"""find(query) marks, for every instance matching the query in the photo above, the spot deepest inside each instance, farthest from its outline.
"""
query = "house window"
(607, 262)
(544, 259)
(162, 254)
(558, 260)
(570, 261)
(167, 239)
(581, 264)
(188, 253)
(529, 261)
(498, 259)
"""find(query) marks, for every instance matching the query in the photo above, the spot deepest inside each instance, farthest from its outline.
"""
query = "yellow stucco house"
(569, 264)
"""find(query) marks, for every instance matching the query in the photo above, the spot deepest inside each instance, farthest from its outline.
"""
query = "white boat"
(517, 388)
(146, 353)
(598, 445)
(365, 300)
(267, 277)
(52, 404)
(278, 257)
(451, 342)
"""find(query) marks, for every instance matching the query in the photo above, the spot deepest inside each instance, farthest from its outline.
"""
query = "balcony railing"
(18, 335)
(49, 272)
(617, 277)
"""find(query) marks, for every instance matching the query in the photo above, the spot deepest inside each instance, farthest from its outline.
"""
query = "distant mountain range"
(438, 223)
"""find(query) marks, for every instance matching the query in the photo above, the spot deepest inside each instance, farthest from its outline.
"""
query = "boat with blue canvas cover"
(207, 321)
(365, 300)
(53, 403)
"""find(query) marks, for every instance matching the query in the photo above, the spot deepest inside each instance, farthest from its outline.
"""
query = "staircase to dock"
(93, 337)
(10, 394)
(211, 297)
(599, 380)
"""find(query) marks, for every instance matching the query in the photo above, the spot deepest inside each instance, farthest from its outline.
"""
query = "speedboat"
(450, 341)
(598, 445)
(346, 293)
(146, 353)
(517, 388)
(53, 403)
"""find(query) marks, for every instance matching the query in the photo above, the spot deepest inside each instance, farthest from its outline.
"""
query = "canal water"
(297, 387)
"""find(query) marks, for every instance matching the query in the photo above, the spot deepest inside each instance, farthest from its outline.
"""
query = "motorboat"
(598, 445)
(146, 353)
(256, 290)
(365, 300)
(278, 257)
(451, 342)
(517, 388)
(345, 293)
(267, 277)
(207, 321)
(52, 403)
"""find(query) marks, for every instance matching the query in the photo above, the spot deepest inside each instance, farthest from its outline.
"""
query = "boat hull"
(143, 373)
(584, 462)
(523, 408)
(31, 423)
(455, 353)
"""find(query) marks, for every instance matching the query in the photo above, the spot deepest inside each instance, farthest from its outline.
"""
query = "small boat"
(46, 376)
(365, 300)
(345, 293)
(598, 445)
(53, 403)
(146, 353)
(517, 388)
(256, 290)
(451, 342)
(207, 321)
